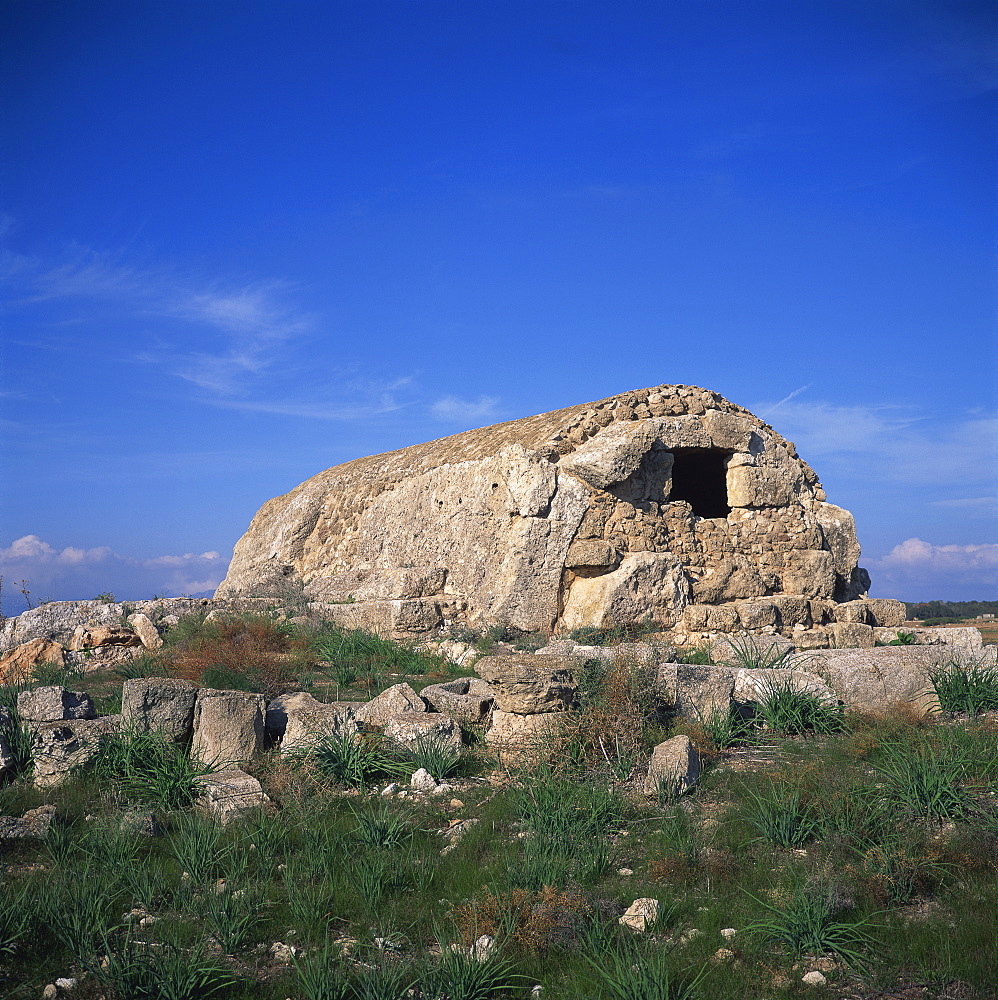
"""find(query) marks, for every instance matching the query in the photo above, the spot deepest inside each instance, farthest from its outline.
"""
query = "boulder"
(159, 704)
(276, 717)
(519, 740)
(703, 691)
(53, 704)
(93, 636)
(230, 795)
(145, 630)
(880, 680)
(527, 684)
(413, 728)
(228, 727)
(392, 701)
(19, 664)
(886, 612)
(57, 748)
(674, 765)
(756, 614)
(459, 699)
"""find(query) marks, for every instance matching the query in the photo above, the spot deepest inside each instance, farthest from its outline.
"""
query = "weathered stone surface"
(886, 612)
(147, 632)
(60, 747)
(851, 634)
(518, 739)
(52, 704)
(749, 651)
(792, 610)
(384, 617)
(159, 704)
(702, 692)
(230, 795)
(19, 664)
(756, 614)
(276, 717)
(857, 612)
(94, 636)
(392, 701)
(674, 765)
(228, 727)
(413, 728)
(7, 760)
(966, 638)
(457, 699)
(306, 724)
(527, 684)
(879, 680)
(710, 618)
(812, 638)
(34, 823)
(575, 517)
(753, 686)
(640, 915)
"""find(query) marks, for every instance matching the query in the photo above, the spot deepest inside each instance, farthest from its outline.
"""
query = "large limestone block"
(710, 618)
(750, 651)
(392, 701)
(856, 612)
(19, 664)
(792, 610)
(839, 529)
(613, 455)
(848, 634)
(413, 729)
(674, 765)
(703, 692)
(307, 725)
(729, 577)
(753, 687)
(403, 583)
(59, 748)
(810, 573)
(591, 552)
(276, 718)
(879, 680)
(230, 795)
(756, 614)
(53, 704)
(95, 636)
(228, 727)
(456, 698)
(645, 585)
(527, 684)
(384, 617)
(752, 486)
(728, 431)
(886, 612)
(521, 740)
(159, 705)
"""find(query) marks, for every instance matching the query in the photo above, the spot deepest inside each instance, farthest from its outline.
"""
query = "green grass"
(967, 687)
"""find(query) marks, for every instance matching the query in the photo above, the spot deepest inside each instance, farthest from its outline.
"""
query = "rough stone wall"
(560, 520)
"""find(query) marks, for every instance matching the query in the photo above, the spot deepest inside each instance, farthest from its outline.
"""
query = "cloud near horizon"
(72, 574)
(920, 571)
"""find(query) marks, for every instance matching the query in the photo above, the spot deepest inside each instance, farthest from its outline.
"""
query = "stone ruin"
(667, 504)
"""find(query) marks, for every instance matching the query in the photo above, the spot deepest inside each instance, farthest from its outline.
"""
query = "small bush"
(634, 973)
(322, 975)
(381, 826)
(439, 757)
(750, 654)
(355, 759)
(925, 780)
(971, 687)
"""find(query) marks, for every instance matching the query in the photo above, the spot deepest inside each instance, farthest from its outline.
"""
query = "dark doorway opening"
(699, 476)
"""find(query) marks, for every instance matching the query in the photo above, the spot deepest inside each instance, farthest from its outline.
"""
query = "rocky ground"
(229, 799)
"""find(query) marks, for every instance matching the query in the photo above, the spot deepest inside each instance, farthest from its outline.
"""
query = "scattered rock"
(146, 631)
(34, 823)
(228, 727)
(640, 915)
(814, 978)
(308, 723)
(728, 933)
(467, 699)
(281, 952)
(723, 955)
(19, 664)
(423, 781)
(527, 684)
(392, 701)
(60, 747)
(415, 728)
(483, 947)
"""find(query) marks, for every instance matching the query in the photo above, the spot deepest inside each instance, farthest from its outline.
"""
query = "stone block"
(812, 638)
(640, 915)
(703, 691)
(405, 583)
(526, 684)
(228, 727)
(792, 610)
(520, 740)
(886, 612)
(750, 650)
(752, 687)
(756, 614)
(674, 765)
(591, 552)
(53, 704)
(306, 724)
(159, 704)
(57, 748)
(853, 612)
(392, 701)
(848, 634)
(230, 795)
(456, 699)
(384, 617)
(821, 611)
(146, 631)
(413, 728)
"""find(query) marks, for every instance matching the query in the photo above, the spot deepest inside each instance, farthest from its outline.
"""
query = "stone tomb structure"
(652, 504)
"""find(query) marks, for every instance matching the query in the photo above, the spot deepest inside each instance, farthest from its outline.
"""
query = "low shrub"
(780, 816)
(355, 759)
(788, 710)
(924, 779)
(748, 653)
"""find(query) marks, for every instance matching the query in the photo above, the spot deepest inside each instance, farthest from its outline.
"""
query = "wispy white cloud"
(452, 408)
(915, 570)
(74, 573)
(884, 442)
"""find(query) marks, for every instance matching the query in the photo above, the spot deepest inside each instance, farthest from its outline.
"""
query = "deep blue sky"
(243, 242)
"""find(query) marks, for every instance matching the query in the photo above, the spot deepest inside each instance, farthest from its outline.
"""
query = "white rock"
(728, 933)
(483, 947)
(423, 781)
(814, 978)
(640, 914)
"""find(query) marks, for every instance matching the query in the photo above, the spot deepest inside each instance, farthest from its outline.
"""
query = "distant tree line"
(951, 609)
